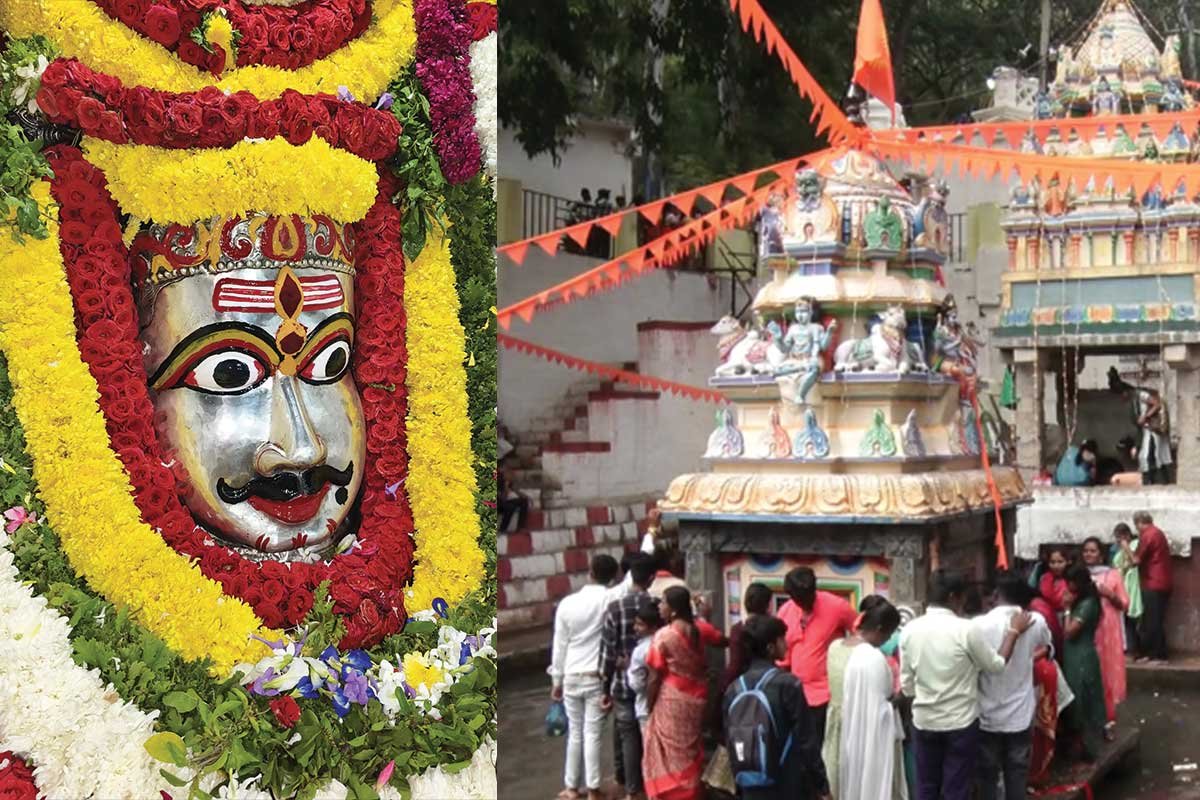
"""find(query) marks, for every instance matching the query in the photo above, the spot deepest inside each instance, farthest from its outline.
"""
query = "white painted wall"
(601, 328)
(597, 158)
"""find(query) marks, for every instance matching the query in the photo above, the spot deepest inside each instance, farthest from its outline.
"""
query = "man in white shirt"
(575, 672)
(941, 657)
(1007, 699)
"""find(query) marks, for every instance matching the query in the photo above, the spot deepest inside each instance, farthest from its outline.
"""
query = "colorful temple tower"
(851, 440)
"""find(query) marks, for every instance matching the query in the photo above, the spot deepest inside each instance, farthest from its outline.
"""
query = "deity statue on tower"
(803, 344)
(955, 350)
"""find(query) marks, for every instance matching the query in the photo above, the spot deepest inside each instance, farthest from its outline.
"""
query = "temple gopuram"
(851, 442)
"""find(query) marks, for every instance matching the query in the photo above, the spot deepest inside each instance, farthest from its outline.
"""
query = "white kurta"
(870, 763)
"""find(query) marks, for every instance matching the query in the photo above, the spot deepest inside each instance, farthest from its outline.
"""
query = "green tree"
(720, 103)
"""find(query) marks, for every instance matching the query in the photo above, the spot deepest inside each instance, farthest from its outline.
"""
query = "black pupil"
(231, 373)
(336, 362)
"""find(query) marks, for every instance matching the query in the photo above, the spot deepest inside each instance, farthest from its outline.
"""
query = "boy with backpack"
(772, 750)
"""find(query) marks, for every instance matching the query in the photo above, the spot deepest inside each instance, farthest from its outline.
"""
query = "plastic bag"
(556, 719)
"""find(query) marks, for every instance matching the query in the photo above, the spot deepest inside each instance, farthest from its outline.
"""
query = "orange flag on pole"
(873, 58)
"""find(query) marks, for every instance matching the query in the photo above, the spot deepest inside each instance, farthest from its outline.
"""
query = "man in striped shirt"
(617, 642)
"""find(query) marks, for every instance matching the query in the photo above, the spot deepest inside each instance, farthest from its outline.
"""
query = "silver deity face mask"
(250, 373)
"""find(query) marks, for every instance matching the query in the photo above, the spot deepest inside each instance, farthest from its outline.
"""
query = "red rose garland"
(483, 20)
(366, 583)
(16, 779)
(276, 36)
(101, 106)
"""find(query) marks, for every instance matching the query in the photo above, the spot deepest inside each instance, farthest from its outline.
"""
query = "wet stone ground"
(530, 766)
(1170, 743)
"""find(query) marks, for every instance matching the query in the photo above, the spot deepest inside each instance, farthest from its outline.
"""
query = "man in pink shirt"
(814, 621)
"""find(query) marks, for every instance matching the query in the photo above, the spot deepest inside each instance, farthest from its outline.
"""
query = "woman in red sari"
(1045, 717)
(1110, 644)
(677, 690)
(1053, 585)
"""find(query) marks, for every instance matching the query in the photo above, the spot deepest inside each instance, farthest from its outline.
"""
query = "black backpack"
(752, 735)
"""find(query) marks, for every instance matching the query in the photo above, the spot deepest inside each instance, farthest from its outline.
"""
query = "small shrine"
(851, 439)
(1098, 322)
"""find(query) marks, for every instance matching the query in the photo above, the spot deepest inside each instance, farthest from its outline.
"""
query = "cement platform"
(1069, 779)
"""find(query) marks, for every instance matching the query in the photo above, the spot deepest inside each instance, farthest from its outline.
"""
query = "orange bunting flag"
(612, 224)
(612, 373)
(873, 58)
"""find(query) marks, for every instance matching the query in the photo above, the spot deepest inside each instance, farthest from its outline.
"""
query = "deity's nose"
(294, 443)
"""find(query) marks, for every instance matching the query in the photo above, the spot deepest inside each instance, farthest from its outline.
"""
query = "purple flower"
(357, 688)
(443, 67)
(344, 94)
(385, 101)
(409, 691)
(259, 686)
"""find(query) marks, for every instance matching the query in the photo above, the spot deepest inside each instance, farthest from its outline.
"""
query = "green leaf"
(172, 779)
(168, 747)
(182, 702)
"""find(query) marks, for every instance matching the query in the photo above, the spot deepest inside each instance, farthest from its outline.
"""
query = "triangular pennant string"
(612, 373)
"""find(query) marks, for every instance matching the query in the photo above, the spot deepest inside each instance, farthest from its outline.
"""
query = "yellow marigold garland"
(80, 29)
(272, 177)
(441, 483)
(88, 497)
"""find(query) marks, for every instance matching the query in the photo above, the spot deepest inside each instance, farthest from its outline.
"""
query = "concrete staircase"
(549, 558)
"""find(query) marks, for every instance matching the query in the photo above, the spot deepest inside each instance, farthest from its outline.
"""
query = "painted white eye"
(329, 363)
(226, 372)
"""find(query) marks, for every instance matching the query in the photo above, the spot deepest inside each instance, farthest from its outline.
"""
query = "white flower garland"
(83, 740)
(483, 73)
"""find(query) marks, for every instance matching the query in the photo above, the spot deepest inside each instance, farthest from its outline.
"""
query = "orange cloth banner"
(617, 375)
(993, 489)
(652, 211)
(984, 163)
(826, 113)
(662, 251)
(1014, 132)
(873, 57)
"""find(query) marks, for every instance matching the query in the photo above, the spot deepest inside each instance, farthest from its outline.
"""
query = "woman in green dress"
(1081, 664)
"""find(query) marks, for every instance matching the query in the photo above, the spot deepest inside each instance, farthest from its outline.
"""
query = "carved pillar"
(1034, 244)
(1193, 235)
(1076, 242)
(906, 555)
(1029, 366)
(1185, 417)
(1012, 253)
(1128, 236)
(1174, 245)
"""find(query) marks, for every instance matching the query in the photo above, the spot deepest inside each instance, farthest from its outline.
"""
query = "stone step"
(578, 516)
(531, 617)
(528, 553)
(568, 436)
(533, 478)
(519, 592)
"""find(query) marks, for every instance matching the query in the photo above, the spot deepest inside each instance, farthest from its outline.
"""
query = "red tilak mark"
(299, 540)
(290, 295)
(291, 344)
(262, 542)
(331, 526)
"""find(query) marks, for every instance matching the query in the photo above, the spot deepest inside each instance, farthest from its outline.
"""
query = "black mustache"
(286, 485)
